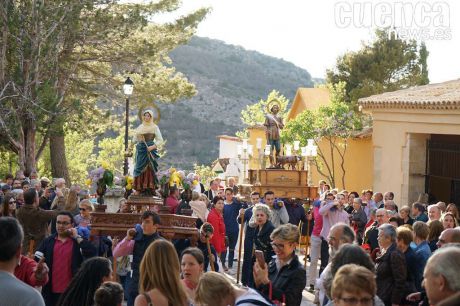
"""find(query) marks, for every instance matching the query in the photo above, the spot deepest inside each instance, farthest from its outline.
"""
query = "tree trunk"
(57, 154)
(29, 145)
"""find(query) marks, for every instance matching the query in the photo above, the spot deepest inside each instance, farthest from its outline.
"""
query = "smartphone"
(260, 258)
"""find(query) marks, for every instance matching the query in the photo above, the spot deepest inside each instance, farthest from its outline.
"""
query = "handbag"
(275, 302)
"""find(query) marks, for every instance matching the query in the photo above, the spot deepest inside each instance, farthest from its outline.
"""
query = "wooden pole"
(307, 242)
(31, 249)
(239, 249)
(211, 261)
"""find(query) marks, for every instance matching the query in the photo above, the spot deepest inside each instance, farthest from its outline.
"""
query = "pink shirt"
(124, 248)
(331, 217)
(62, 265)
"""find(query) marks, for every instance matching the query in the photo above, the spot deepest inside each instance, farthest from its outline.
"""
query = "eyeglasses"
(12, 202)
(355, 301)
(279, 246)
(62, 223)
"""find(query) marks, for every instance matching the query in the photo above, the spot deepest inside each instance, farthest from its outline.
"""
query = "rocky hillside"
(227, 78)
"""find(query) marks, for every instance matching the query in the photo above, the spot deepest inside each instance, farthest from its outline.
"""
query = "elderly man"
(390, 206)
(441, 279)
(434, 212)
(450, 235)
(213, 190)
(339, 235)
(389, 196)
(378, 199)
(370, 237)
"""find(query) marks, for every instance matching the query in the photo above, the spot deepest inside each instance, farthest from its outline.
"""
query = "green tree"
(386, 64)
(60, 57)
(205, 172)
(255, 113)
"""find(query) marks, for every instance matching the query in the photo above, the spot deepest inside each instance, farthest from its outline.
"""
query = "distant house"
(308, 98)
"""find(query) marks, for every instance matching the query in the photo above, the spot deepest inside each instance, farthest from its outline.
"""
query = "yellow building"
(416, 142)
(358, 161)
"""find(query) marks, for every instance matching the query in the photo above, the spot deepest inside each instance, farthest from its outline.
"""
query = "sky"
(312, 34)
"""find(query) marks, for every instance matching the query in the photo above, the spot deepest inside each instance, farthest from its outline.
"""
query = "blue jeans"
(232, 239)
(125, 281)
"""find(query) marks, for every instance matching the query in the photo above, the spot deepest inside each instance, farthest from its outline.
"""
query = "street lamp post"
(309, 153)
(244, 155)
(128, 87)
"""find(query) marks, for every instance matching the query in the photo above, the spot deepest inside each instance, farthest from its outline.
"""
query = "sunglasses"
(81, 208)
(12, 202)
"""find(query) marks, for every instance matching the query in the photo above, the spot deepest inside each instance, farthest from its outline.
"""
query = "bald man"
(450, 235)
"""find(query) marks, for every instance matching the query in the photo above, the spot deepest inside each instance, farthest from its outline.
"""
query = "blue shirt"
(231, 212)
(422, 253)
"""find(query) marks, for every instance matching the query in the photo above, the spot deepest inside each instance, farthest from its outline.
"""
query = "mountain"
(227, 78)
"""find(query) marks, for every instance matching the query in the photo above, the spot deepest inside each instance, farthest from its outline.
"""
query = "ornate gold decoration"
(149, 106)
(271, 104)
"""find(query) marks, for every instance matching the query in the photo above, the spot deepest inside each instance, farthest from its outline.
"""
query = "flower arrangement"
(102, 176)
(128, 182)
(172, 177)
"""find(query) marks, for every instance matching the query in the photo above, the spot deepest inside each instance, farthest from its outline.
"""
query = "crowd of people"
(363, 249)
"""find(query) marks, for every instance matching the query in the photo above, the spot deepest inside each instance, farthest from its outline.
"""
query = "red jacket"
(25, 271)
(217, 221)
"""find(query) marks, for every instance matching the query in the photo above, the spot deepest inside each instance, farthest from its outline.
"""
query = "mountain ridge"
(227, 79)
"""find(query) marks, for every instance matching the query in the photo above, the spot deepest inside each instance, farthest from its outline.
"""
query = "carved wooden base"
(142, 203)
(117, 224)
(284, 183)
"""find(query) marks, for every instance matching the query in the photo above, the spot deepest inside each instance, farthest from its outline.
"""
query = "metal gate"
(443, 162)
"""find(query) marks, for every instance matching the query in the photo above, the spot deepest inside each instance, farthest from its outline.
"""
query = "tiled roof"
(433, 96)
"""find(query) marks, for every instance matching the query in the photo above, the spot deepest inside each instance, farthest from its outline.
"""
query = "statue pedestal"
(142, 203)
(284, 183)
(112, 199)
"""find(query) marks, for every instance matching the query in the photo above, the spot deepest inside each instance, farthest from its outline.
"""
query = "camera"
(38, 255)
(277, 204)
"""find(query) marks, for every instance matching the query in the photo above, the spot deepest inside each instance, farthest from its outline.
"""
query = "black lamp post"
(128, 91)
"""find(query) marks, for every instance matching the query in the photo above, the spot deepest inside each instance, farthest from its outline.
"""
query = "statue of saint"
(273, 125)
(148, 138)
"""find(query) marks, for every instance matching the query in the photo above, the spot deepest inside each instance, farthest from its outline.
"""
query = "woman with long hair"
(192, 266)
(159, 281)
(8, 206)
(71, 202)
(448, 220)
(84, 284)
(436, 229)
(452, 208)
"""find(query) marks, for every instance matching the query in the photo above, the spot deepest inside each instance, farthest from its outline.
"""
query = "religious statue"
(273, 125)
(147, 138)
